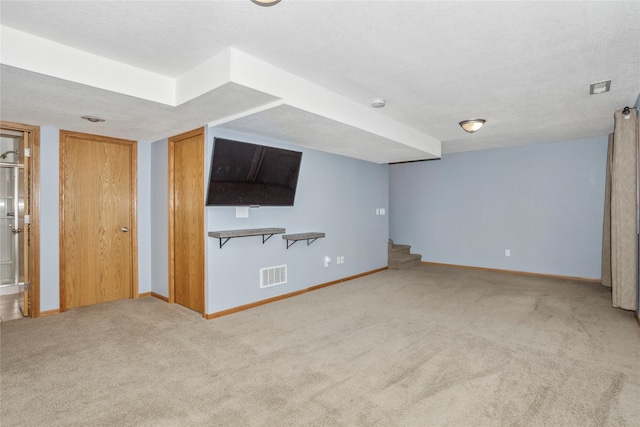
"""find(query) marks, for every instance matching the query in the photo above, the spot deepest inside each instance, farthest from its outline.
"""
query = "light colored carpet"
(422, 347)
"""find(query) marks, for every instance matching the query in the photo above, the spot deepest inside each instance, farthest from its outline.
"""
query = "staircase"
(400, 257)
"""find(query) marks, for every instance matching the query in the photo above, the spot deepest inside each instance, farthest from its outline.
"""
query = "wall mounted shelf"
(309, 237)
(225, 235)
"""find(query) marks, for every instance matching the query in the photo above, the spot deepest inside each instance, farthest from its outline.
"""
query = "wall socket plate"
(242, 212)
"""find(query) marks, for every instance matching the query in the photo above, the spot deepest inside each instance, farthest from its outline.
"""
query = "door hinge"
(27, 152)
(27, 286)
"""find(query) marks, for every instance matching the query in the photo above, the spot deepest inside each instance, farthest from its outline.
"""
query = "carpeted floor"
(429, 346)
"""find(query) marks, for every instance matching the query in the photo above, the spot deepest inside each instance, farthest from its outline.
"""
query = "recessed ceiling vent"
(599, 87)
(272, 276)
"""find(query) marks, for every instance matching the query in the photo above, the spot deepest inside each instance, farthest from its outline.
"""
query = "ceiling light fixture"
(92, 119)
(599, 87)
(266, 3)
(378, 103)
(472, 126)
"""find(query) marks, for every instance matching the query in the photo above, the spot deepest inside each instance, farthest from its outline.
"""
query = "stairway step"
(404, 262)
(400, 257)
(400, 249)
(405, 257)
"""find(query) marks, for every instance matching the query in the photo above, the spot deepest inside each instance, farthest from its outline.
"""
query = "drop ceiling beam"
(28, 52)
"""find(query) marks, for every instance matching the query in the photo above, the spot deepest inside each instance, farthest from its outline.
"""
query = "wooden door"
(98, 245)
(186, 220)
(25, 193)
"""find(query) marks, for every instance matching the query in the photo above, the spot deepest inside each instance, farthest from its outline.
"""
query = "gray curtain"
(606, 232)
(620, 239)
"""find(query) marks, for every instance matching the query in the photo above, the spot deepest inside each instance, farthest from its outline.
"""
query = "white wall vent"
(272, 276)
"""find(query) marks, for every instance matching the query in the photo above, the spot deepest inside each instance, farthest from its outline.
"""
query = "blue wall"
(143, 213)
(543, 202)
(50, 224)
(336, 195)
(159, 217)
(49, 218)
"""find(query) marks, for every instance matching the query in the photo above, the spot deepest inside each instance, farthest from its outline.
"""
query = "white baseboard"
(9, 290)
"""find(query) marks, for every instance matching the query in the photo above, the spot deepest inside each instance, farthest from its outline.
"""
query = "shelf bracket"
(225, 241)
(309, 237)
(293, 241)
(264, 240)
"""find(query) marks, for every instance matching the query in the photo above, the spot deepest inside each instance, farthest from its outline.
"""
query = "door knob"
(16, 230)
(125, 229)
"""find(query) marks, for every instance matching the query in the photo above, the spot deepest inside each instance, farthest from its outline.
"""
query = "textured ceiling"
(281, 123)
(525, 67)
(45, 100)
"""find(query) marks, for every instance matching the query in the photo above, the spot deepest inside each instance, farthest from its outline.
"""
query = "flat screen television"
(244, 174)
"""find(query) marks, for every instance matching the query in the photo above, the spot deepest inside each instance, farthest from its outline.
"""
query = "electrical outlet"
(342, 259)
(507, 252)
(327, 260)
(242, 212)
(383, 211)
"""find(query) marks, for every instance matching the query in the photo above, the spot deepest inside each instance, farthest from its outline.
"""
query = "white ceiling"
(305, 72)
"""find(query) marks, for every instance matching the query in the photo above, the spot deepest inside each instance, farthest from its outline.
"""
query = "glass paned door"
(13, 207)
(8, 248)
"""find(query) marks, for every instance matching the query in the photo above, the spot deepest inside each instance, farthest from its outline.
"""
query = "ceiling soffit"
(35, 54)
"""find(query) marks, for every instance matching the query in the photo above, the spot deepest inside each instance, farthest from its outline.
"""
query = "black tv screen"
(244, 174)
